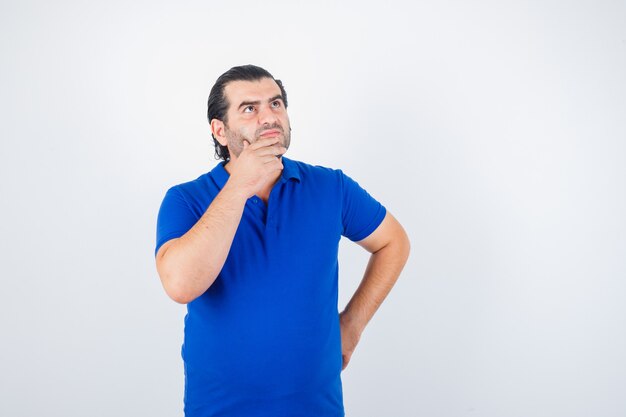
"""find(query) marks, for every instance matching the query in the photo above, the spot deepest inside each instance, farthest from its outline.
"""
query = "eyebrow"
(256, 103)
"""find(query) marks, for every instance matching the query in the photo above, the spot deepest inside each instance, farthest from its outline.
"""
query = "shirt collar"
(290, 170)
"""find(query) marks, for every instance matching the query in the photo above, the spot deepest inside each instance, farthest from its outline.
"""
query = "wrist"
(349, 319)
(236, 192)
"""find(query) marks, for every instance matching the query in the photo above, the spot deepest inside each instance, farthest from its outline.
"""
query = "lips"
(270, 133)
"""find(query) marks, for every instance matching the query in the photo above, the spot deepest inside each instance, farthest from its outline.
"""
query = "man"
(251, 248)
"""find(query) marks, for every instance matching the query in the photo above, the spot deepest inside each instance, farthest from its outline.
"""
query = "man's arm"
(389, 246)
(189, 265)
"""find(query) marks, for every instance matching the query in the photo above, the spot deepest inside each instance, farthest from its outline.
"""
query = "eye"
(276, 104)
(248, 109)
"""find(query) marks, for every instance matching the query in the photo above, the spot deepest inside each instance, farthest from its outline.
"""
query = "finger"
(264, 142)
(276, 149)
(273, 167)
(272, 163)
(246, 143)
(268, 158)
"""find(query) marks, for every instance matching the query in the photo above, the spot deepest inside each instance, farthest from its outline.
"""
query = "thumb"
(245, 143)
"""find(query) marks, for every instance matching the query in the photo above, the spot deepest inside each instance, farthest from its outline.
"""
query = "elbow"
(175, 290)
(402, 245)
(398, 241)
(406, 246)
(179, 295)
(183, 288)
(174, 285)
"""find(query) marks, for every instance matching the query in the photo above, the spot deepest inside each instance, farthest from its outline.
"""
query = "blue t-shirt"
(264, 339)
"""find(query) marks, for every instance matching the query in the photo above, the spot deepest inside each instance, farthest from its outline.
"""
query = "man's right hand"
(256, 166)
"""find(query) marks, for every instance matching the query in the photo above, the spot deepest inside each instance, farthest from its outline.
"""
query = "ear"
(217, 128)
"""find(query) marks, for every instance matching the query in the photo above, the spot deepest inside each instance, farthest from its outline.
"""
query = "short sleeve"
(361, 213)
(175, 218)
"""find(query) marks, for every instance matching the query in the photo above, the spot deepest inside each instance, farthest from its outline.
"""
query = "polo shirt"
(264, 339)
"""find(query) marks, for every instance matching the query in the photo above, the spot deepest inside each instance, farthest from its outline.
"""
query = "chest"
(297, 226)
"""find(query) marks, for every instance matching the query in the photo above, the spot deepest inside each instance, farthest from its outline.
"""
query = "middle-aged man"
(251, 248)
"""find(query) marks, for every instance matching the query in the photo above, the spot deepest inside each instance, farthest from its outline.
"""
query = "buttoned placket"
(258, 208)
(271, 219)
(267, 212)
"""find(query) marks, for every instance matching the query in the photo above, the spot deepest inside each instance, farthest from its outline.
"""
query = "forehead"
(237, 92)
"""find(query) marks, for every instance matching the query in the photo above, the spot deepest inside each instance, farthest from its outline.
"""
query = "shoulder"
(205, 186)
(194, 184)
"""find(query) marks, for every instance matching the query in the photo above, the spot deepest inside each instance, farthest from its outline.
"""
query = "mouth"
(270, 133)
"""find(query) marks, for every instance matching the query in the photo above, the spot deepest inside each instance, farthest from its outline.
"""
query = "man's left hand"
(350, 335)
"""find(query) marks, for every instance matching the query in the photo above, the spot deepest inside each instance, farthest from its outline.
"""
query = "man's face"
(256, 110)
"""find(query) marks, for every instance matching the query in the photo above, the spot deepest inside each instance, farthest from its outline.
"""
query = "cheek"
(285, 122)
(242, 132)
(246, 132)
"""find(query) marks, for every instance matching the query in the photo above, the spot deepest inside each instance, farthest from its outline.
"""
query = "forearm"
(191, 263)
(382, 272)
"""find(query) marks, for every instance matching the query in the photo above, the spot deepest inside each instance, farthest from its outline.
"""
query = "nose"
(267, 116)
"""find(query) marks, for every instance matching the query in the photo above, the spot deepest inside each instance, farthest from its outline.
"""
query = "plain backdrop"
(495, 131)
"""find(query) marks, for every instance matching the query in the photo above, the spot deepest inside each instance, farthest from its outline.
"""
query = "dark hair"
(218, 105)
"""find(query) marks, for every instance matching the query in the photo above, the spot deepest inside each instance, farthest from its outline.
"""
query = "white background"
(495, 131)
